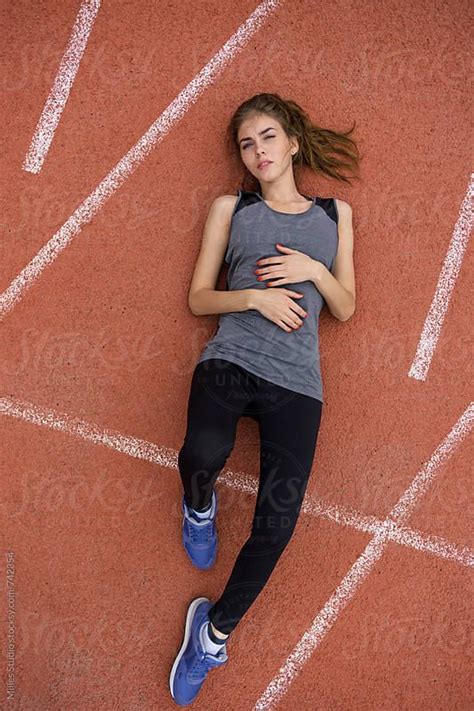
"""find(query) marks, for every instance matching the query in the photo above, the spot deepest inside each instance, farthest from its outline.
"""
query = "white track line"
(444, 288)
(348, 587)
(62, 86)
(164, 457)
(135, 156)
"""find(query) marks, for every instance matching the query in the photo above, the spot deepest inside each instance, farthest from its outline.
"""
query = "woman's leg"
(219, 393)
(289, 426)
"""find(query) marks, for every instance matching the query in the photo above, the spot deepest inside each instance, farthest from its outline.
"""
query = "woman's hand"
(278, 306)
(289, 269)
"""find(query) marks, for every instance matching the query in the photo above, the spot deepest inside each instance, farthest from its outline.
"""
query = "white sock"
(207, 642)
(207, 513)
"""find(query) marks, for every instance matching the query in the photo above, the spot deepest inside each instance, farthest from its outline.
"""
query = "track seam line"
(62, 85)
(444, 288)
(133, 158)
(364, 564)
(239, 481)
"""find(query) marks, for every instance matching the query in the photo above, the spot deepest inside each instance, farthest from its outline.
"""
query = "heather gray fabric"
(289, 359)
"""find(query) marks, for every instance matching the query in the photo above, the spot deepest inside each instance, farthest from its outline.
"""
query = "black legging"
(221, 392)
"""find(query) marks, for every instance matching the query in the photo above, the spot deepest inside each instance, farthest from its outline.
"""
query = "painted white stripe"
(244, 483)
(366, 562)
(135, 156)
(62, 86)
(446, 282)
(402, 535)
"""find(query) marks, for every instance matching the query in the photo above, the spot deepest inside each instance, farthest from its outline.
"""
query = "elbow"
(350, 310)
(346, 317)
(196, 311)
(192, 306)
(193, 302)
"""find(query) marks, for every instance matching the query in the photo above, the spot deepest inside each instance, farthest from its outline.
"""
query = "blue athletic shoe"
(200, 536)
(193, 663)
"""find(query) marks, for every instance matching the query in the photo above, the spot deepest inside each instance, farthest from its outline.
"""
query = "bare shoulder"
(343, 208)
(345, 227)
(215, 239)
(218, 221)
(223, 206)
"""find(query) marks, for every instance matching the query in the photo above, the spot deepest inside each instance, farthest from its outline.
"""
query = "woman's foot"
(199, 534)
(193, 661)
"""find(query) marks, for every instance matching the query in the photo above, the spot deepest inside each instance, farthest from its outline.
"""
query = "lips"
(264, 163)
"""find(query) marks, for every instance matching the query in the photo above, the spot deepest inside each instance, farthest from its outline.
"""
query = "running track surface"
(113, 148)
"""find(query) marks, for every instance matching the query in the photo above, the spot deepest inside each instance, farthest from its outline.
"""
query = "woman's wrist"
(318, 270)
(252, 298)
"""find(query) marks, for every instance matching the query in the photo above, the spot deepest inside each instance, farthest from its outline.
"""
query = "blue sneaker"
(200, 536)
(193, 663)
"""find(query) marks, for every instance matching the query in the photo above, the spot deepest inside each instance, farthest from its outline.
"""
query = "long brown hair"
(321, 149)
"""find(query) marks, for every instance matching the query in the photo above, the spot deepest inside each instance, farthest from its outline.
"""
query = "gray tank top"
(289, 359)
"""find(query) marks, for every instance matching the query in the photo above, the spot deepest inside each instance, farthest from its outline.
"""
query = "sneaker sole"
(187, 633)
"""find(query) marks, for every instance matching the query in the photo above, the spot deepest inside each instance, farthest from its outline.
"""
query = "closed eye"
(249, 144)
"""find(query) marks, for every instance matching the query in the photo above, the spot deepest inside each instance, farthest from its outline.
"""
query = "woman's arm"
(203, 298)
(338, 287)
(210, 301)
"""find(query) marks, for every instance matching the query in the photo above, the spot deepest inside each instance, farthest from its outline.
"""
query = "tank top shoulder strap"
(248, 197)
(245, 197)
(329, 206)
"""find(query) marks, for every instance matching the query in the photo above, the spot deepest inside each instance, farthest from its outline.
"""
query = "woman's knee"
(204, 452)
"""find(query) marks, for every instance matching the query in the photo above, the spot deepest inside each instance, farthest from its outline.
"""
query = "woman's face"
(261, 138)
